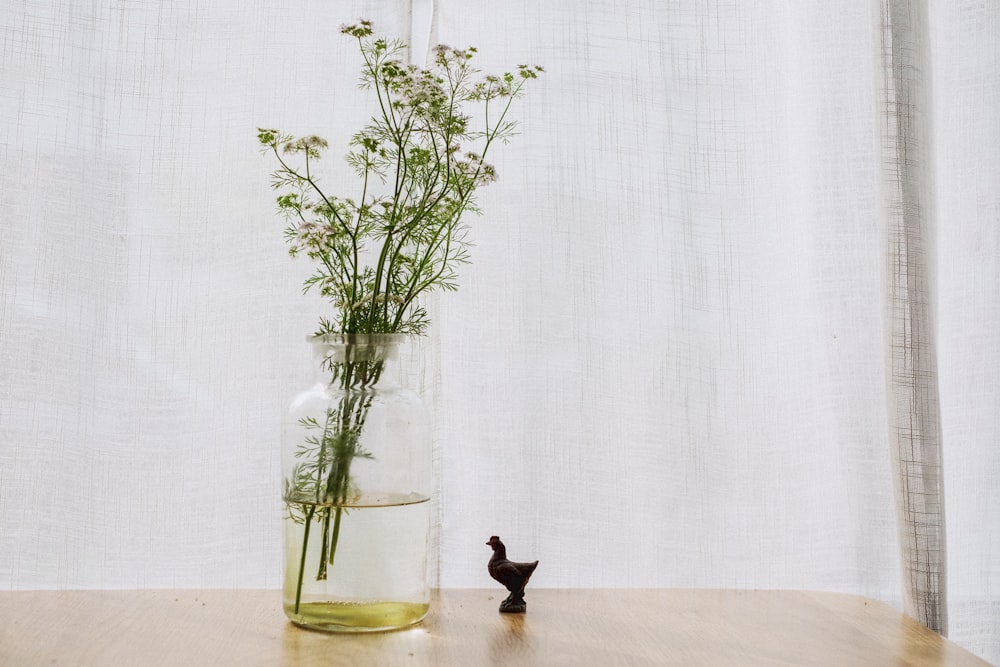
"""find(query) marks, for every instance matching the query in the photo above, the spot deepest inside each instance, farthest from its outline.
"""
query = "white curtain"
(672, 362)
(914, 412)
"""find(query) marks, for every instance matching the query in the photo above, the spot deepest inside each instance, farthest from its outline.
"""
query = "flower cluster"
(419, 161)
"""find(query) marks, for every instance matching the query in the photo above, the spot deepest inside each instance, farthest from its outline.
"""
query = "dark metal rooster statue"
(514, 577)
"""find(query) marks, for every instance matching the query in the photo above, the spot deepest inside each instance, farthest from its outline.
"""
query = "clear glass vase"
(356, 463)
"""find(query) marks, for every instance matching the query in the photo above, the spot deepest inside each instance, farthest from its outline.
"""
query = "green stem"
(336, 533)
(302, 558)
(321, 572)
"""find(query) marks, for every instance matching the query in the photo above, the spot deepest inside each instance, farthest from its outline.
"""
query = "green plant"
(419, 162)
(403, 235)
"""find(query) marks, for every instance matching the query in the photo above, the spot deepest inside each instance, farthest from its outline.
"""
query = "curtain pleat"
(913, 410)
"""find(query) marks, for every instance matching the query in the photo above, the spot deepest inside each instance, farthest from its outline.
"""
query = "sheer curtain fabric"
(672, 361)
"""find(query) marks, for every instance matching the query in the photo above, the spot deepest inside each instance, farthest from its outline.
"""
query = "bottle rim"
(360, 339)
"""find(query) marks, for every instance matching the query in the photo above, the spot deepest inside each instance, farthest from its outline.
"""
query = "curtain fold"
(913, 408)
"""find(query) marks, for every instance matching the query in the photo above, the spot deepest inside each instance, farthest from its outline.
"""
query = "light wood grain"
(562, 627)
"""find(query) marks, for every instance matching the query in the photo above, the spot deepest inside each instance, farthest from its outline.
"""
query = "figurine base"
(513, 606)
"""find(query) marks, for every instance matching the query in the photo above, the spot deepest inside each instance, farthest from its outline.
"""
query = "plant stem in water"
(321, 572)
(336, 533)
(302, 560)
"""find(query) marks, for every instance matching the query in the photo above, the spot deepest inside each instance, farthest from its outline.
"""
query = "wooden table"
(562, 627)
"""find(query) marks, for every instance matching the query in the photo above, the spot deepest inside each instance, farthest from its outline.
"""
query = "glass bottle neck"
(357, 361)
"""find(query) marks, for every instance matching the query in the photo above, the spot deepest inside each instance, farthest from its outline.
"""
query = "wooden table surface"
(562, 627)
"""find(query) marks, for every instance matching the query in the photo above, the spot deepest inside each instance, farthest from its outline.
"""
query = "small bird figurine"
(514, 577)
